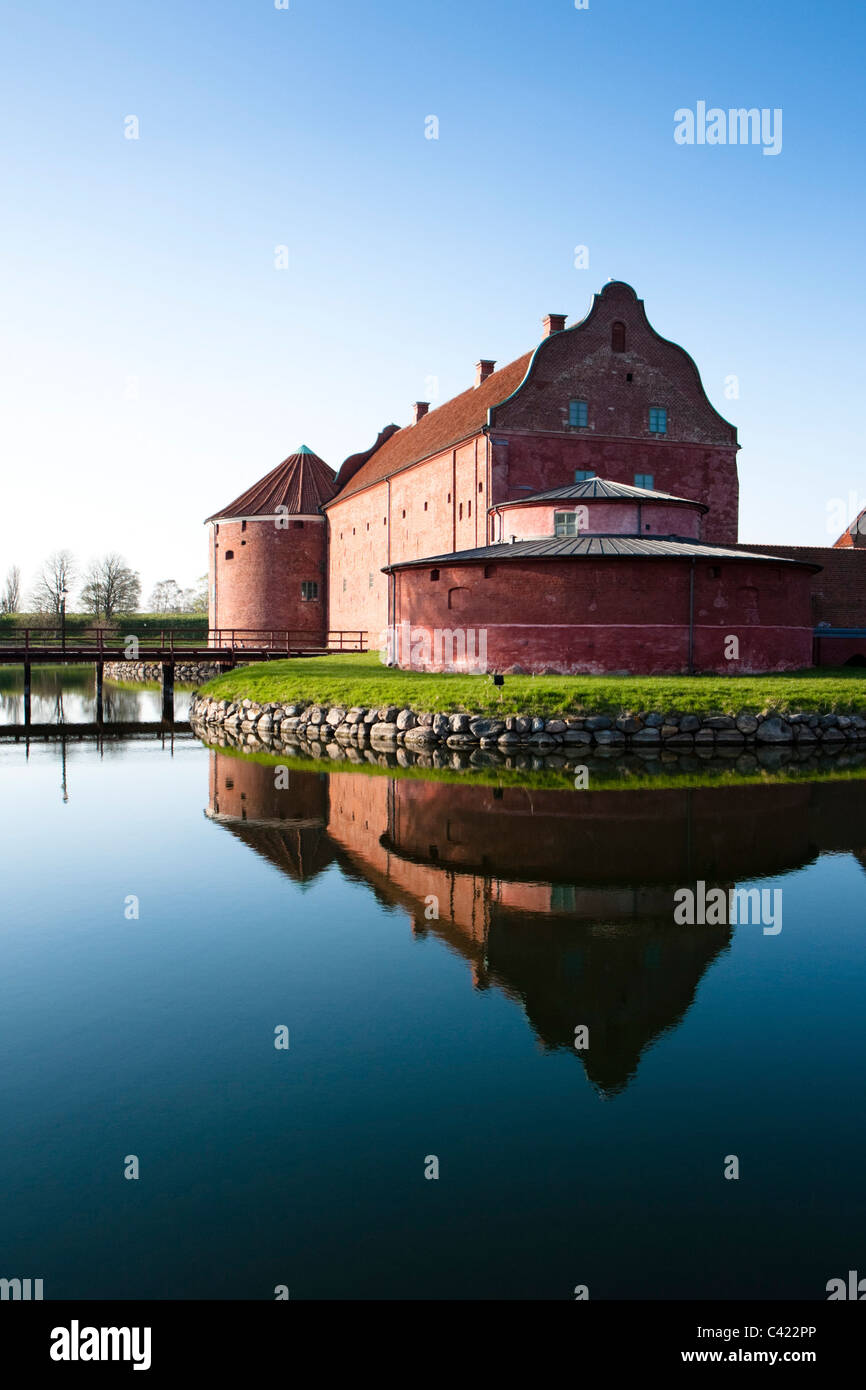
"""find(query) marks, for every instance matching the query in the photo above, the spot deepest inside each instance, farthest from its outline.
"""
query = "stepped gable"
(302, 483)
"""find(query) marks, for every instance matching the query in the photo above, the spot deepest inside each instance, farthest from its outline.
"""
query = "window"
(344, 584)
(470, 509)
(629, 376)
(488, 571)
(658, 420)
(714, 571)
(297, 525)
(578, 413)
(434, 574)
(370, 581)
(460, 513)
(368, 525)
(404, 513)
(449, 497)
(617, 337)
(425, 506)
(243, 525)
(309, 590)
(230, 554)
(583, 475)
(644, 480)
(565, 523)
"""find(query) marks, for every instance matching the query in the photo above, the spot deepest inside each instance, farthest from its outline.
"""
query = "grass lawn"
(346, 679)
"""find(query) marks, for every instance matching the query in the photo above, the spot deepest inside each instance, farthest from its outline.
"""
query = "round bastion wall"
(598, 614)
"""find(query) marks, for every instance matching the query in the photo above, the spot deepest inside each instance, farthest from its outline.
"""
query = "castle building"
(579, 507)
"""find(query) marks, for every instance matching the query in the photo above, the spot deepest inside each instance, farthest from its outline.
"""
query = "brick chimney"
(419, 410)
(553, 323)
(483, 370)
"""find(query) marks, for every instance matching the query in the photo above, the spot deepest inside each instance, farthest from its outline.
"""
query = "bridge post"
(99, 674)
(27, 692)
(168, 692)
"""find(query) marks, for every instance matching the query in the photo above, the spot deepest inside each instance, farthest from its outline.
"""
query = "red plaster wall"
(601, 614)
(601, 518)
(261, 587)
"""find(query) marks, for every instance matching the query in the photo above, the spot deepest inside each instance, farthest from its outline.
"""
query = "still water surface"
(412, 1037)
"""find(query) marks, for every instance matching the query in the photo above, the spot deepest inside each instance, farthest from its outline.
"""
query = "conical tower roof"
(301, 483)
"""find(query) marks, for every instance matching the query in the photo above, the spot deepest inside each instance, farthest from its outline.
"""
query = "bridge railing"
(287, 639)
(113, 642)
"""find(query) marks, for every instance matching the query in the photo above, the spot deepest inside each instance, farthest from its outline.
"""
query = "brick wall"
(260, 586)
(839, 590)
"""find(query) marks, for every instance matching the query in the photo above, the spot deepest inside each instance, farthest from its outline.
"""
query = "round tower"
(267, 565)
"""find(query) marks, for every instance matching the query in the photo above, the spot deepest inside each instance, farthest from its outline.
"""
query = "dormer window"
(644, 480)
(583, 475)
(617, 337)
(658, 420)
(578, 414)
(565, 523)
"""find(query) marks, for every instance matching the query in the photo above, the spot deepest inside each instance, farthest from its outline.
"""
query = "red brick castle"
(576, 510)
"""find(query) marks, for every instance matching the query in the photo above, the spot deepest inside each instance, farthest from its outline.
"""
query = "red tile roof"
(457, 419)
(301, 483)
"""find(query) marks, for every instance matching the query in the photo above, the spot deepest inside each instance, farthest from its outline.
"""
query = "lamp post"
(63, 596)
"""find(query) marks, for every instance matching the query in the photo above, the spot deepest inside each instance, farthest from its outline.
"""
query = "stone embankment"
(316, 729)
(185, 672)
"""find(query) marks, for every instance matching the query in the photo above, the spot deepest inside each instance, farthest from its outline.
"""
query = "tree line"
(105, 588)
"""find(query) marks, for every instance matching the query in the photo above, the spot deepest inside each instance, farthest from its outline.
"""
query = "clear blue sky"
(145, 268)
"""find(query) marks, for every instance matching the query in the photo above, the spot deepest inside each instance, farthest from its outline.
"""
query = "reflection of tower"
(268, 552)
(285, 825)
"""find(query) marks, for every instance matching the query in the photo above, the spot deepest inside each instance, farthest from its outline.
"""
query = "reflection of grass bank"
(146, 685)
(363, 680)
(620, 773)
(49, 678)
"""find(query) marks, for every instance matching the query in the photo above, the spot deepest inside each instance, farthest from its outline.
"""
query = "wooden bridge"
(226, 647)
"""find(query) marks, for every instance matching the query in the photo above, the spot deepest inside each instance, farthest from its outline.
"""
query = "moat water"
(431, 948)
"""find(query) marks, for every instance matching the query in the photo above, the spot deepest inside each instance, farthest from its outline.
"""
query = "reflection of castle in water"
(564, 901)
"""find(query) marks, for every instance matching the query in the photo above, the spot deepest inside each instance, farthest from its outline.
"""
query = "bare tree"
(11, 600)
(54, 579)
(167, 597)
(110, 587)
(199, 596)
